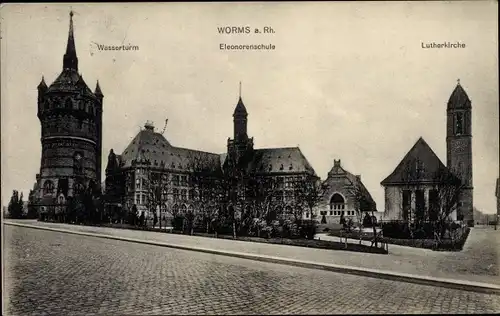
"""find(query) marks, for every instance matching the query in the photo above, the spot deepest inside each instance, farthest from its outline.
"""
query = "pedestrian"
(141, 219)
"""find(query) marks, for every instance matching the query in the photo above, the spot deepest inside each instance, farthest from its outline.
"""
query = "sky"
(346, 80)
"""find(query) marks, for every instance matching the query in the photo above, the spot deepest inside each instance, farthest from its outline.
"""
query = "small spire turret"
(98, 91)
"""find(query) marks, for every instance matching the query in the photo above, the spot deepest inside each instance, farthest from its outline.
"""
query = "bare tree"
(156, 184)
(448, 190)
(204, 190)
(363, 205)
(444, 195)
(264, 196)
(308, 192)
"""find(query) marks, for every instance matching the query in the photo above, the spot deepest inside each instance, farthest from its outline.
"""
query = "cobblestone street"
(477, 262)
(51, 273)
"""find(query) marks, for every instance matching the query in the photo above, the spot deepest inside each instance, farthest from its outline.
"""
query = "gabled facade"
(70, 115)
(345, 194)
(411, 186)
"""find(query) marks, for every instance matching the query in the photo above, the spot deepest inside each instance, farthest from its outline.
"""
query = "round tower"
(70, 115)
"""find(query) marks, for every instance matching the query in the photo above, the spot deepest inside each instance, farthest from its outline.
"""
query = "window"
(280, 182)
(331, 212)
(184, 195)
(68, 104)
(419, 204)
(175, 193)
(184, 180)
(406, 204)
(419, 168)
(433, 205)
(175, 179)
(337, 202)
(48, 187)
(279, 196)
(459, 127)
(307, 215)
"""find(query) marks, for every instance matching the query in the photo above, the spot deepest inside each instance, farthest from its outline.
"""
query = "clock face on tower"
(460, 145)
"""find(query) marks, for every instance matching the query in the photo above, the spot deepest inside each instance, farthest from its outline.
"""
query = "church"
(412, 187)
(70, 115)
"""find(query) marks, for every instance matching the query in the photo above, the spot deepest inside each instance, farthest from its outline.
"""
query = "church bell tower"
(459, 148)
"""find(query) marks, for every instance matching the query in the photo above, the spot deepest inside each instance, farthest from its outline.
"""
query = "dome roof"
(154, 148)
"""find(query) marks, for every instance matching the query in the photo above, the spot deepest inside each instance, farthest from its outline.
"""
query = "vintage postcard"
(250, 158)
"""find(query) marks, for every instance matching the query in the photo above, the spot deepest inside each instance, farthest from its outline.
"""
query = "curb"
(380, 274)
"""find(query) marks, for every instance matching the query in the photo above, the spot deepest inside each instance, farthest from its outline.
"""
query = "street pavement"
(53, 273)
(479, 261)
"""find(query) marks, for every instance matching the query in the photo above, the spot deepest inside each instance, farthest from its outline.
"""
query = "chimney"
(336, 163)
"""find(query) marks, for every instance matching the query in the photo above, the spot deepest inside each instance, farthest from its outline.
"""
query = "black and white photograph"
(250, 158)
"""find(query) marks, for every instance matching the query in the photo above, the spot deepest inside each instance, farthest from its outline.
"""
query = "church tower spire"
(241, 145)
(459, 148)
(70, 60)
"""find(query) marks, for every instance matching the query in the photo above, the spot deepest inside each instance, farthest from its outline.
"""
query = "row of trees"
(238, 202)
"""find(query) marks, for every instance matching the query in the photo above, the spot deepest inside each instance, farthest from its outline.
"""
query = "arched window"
(79, 188)
(78, 163)
(337, 202)
(459, 128)
(183, 209)
(48, 187)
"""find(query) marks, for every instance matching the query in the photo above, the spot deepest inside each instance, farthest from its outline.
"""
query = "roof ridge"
(407, 155)
(267, 148)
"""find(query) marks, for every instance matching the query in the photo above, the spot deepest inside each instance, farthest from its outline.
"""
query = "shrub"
(177, 222)
(367, 221)
(396, 229)
(308, 230)
(267, 232)
(454, 226)
(326, 229)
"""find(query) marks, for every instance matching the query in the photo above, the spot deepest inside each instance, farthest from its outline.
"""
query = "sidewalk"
(478, 262)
